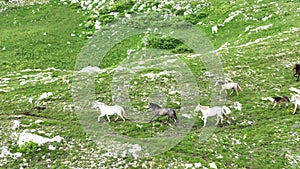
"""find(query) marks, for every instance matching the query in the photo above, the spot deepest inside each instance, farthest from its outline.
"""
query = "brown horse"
(297, 71)
(278, 100)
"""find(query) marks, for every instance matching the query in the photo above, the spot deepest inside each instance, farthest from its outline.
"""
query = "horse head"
(200, 107)
(153, 106)
(97, 105)
(149, 106)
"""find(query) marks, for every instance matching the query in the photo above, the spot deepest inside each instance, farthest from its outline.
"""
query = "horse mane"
(155, 105)
(204, 107)
(218, 82)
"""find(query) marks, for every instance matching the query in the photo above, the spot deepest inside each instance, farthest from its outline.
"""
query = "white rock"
(27, 137)
(45, 95)
(4, 151)
(197, 165)
(213, 165)
(16, 125)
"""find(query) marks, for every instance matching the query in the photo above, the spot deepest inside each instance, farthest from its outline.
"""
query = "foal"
(230, 85)
(278, 100)
(297, 71)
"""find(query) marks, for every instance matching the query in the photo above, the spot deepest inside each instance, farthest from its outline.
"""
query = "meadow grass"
(39, 46)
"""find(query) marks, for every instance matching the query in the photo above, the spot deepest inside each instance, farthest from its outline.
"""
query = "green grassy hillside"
(257, 42)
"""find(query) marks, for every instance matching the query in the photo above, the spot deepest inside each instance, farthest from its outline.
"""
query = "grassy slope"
(265, 144)
(27, 37)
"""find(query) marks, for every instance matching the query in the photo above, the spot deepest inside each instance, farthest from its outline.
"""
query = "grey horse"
(160, 111)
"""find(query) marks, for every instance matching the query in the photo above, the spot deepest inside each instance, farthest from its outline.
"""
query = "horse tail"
(226, 110)
(175, 117)
(239, 87)
(124, 114)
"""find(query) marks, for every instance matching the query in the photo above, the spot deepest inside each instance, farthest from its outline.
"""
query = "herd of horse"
(218, 111)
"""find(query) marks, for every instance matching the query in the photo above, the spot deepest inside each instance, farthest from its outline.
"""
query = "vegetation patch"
(257, 42)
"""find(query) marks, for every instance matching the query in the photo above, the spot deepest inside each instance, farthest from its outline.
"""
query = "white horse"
(296, 100)
(229, 85)
(214, 111)
(109, 110)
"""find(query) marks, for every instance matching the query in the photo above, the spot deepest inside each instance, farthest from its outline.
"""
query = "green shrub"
(196, 18)
(121, 6)
(105, 19)
(29, 148)
(182, 49)
(156, 41)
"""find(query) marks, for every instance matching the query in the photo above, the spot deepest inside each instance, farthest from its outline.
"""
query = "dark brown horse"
(278, 100)
(297, 71)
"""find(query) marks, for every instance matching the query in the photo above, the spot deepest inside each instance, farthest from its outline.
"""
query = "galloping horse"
(227, 86)
(160, 111)
(109, 110)
(278, 100)
(217, 111)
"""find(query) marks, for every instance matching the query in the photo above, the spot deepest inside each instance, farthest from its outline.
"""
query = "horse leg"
(225, 115)
(218, 118)
(122, 118)
(101, 115)
(221, 117)
(221, 91)
(231, 92)
(237, 91)
(274, 105)
(108, 118)
(175, 122)
(204, 121)
(174, 119)
(153, 118)
(227, 118)
(298, 78)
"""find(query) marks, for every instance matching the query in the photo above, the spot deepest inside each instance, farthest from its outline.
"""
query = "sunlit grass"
(39, 37)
